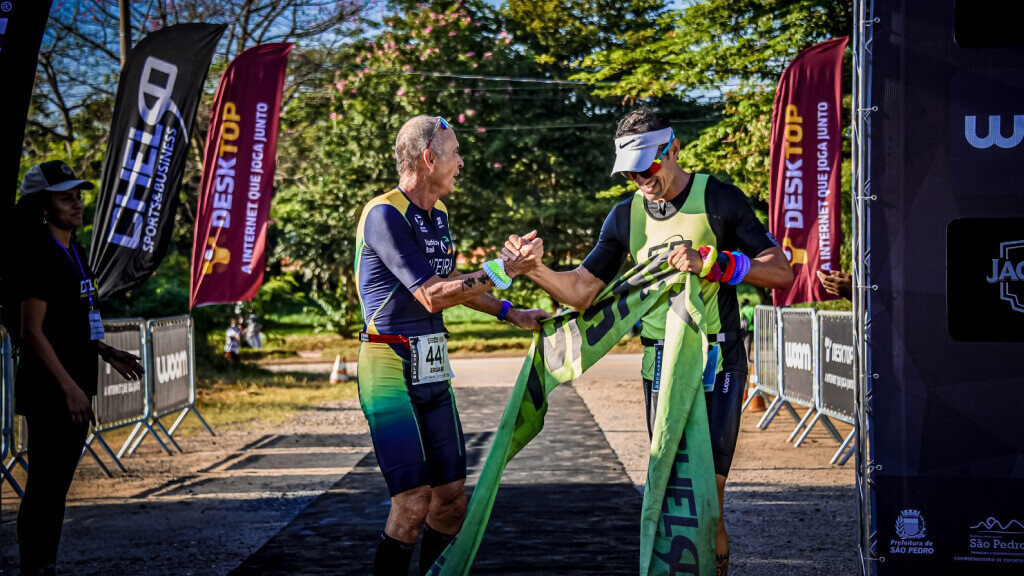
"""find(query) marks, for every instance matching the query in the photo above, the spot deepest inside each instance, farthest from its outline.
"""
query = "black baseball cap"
(52, 176)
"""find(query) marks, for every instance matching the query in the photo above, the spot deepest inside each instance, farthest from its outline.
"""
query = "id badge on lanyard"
(95, 325)
(429, 358)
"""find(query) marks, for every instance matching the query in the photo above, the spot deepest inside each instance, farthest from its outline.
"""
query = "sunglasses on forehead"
(653, 168)
(442, 124)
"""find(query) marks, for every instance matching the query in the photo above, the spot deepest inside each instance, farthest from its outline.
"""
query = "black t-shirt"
(45, 270)
(734, 225)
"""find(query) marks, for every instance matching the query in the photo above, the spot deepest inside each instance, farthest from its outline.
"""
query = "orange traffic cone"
(757, 404)
(338, 373)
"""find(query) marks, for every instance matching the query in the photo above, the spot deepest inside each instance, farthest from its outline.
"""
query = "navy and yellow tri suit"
(706, 212)
(417, 435)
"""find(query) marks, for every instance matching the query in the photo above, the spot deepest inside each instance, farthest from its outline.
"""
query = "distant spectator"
(243, 342)
(232, 340)
(253, 332)
(837, 283)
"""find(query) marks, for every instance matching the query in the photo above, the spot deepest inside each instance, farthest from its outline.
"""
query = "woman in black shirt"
(61, 333)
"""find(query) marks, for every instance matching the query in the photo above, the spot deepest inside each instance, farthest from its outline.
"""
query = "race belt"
(384, 339)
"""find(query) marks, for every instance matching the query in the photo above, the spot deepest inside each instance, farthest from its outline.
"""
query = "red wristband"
(730, 268)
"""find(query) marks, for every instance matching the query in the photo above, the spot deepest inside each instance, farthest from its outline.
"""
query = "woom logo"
(1008, 272)
(798, 355)
(994, 136)
(171, 366)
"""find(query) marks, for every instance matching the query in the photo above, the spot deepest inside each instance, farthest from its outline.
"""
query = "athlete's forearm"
(770, 269)
(575, 288)
(486, 303)
(439, 293)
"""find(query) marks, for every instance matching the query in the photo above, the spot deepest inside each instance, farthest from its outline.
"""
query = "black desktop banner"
(22, 24)
(947, 320)
(157, 98)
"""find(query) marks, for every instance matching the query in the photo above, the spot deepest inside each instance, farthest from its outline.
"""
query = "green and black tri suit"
(707, 212)
(416, 432)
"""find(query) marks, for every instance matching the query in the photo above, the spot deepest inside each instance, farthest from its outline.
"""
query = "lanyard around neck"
(78, 261)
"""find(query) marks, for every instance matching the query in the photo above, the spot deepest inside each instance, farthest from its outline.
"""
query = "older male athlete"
(405, 265)
(710, 230)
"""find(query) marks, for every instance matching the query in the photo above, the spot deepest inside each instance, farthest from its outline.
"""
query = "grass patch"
(471, 331)
(239, 399)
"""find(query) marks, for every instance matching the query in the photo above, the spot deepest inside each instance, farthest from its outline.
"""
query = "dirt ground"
(205, 510)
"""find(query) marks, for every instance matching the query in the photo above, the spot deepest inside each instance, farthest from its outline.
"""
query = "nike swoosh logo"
(626, 143)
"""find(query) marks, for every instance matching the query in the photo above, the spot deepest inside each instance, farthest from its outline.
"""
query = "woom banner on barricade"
(157, 98)
(119, 399)
(946, 321)
(806, 155)
(172, 365)
(238, 178)
(766, 348)
(798, 368)
(836, 387)
(21, 31)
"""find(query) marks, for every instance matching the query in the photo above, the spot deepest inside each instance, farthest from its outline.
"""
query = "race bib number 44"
(429, 358)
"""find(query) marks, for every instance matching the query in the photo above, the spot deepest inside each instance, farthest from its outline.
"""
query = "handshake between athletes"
(577, 288)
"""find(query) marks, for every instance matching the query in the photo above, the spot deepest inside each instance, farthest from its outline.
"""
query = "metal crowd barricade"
(837, 389)
(767, 355)
(172, 358)
(7, 413)
(766, 361)
(120, 402)
(799, 335)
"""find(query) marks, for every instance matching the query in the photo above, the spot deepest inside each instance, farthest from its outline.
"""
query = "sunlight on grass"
(226, 401)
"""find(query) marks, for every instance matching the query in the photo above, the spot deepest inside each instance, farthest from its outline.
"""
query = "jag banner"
(157, 98)
(947, 318)
(238, 178)
(22, 24)
(679, 518)
(806, 156)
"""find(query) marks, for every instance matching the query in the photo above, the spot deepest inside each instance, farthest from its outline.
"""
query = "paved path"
(566, 505)
(304, 498)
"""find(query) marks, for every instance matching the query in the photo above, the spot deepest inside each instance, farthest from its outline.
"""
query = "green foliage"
(537, 155)
(729, 53)
(530, 151)
(280, 294)
(164, 294)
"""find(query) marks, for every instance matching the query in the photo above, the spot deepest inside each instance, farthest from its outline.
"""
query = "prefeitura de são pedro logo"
(912, 531)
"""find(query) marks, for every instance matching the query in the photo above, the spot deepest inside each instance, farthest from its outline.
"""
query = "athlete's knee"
(410, 508)
(450, 499)
(448, 507)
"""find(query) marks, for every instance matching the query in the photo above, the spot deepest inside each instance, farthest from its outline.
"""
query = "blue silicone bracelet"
(742, 267)
(505, 307)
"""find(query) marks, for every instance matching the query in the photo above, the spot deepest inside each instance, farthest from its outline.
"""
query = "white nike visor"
(636, 152)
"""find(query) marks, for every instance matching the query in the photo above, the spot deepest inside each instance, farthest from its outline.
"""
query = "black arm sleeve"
(605, 260)
(733, 220)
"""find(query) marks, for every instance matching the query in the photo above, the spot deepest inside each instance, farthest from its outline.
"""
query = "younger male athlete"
(710, 230)
(405, 265)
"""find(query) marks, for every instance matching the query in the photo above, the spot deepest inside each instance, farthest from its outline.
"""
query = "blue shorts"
(417, 435)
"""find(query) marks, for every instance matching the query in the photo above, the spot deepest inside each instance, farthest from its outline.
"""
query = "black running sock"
(393, 557)
(434, 543)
